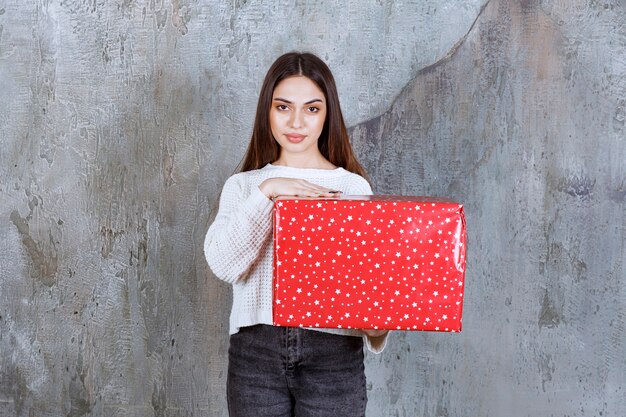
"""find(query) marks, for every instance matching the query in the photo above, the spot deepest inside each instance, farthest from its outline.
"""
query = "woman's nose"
(296, 119)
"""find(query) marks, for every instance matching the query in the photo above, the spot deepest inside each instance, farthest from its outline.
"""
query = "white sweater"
(239, 245)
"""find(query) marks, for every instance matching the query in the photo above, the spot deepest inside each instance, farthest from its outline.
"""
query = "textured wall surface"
(120, 121)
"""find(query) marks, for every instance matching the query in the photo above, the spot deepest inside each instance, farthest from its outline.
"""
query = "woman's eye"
(282, 107)
(313, 109)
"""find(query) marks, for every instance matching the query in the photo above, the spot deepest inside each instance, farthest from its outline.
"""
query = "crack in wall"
(451, 52)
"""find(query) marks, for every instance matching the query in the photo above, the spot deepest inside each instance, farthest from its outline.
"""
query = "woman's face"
(297, 115)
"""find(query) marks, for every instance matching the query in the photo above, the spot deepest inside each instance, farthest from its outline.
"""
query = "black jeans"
(287, 371)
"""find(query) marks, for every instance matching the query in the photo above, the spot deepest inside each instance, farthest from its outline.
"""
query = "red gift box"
(369, 262)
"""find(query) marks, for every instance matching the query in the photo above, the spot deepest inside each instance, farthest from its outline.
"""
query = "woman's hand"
(273, 187)
(374, 333)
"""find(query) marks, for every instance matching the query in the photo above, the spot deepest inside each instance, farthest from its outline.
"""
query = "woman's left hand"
(374, 333)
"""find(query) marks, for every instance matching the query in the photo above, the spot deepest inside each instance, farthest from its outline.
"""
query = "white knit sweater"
(238, 245)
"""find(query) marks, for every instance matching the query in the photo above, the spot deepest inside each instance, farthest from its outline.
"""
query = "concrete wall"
(121, 120)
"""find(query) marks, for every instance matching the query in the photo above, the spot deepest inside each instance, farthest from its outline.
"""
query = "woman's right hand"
(274, 187)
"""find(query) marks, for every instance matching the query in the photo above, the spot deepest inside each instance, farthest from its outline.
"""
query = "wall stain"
(141, 255)
(529, 6)
(549, 316)
(79, 395)
(180, 17)
(126, 6)
(109, 236)
(561, 259)
(620, 115)
(546, 368)
(159, 401)
(619, 193)
(580, 267)
(580, 186)
(160, 17)
(443, 401)
(44, 266)
(168, 166)
(20, 389)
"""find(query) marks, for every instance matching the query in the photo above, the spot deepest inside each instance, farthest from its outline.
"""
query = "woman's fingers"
(274, 187)
(374, 333)
(323, 190)
(318, 193)
(306, 188)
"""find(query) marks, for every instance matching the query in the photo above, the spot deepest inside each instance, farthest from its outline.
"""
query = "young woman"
(299, 147)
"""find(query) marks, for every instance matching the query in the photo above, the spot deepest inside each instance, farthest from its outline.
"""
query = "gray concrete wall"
(121, 120)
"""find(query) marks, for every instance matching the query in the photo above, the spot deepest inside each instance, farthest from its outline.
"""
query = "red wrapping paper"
(369, 262)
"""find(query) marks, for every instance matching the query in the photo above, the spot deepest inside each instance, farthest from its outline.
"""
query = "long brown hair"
(333, 143)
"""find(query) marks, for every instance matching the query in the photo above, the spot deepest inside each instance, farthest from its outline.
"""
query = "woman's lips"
(295, 138)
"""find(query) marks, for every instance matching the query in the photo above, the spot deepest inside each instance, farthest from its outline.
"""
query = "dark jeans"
(286, 371)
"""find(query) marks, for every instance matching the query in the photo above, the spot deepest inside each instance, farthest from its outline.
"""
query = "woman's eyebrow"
(290, 102)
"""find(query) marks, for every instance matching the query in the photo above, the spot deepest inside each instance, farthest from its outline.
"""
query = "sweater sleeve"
(360, 186)
(241, 227)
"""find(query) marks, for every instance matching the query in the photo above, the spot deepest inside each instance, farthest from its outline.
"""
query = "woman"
(299, 147)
